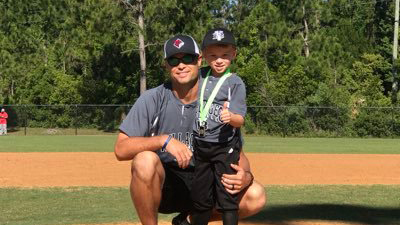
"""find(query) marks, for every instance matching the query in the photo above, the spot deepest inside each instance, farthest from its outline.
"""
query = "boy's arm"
(233, 119)
(234, 110)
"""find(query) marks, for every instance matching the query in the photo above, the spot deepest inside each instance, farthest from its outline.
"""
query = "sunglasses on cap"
(186, 59)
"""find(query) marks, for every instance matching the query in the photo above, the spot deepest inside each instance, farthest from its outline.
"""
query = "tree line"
(318, 53)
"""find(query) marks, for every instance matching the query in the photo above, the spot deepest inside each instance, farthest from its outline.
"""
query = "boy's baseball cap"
(180, 44)
(218, 36)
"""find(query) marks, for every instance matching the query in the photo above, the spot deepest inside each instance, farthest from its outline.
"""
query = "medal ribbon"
(204, 110)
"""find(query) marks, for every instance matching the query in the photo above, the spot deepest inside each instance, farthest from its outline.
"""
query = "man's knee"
(145, 166)
(254, 199)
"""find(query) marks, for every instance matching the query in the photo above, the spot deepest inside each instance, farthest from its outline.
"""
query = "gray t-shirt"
(216, 130)
(174, 118)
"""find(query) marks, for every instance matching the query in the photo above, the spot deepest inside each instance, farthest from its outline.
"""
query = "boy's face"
(219, 57)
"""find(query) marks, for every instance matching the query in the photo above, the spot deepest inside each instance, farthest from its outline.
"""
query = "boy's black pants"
(211, 161)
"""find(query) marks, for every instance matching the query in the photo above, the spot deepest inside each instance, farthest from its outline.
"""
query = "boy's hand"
(225, 114)
(228, 117)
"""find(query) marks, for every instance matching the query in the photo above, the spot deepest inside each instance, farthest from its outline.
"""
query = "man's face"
(183, 68)
(219, 57)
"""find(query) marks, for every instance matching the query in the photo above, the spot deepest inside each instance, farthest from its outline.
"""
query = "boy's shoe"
(180, 219)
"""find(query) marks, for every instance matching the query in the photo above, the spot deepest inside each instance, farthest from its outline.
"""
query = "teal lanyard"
(204, 110)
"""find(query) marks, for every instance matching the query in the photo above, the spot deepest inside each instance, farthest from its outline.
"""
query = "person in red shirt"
(3, 122)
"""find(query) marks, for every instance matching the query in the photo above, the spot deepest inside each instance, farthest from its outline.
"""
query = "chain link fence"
(64, 119)
(264, 120)
(324, 121)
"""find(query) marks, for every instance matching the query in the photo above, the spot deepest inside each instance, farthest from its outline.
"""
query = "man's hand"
(180, 151)
(234, 183)
(225, 114)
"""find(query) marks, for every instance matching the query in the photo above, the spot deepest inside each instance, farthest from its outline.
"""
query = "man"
(157, 136)
(3, 122)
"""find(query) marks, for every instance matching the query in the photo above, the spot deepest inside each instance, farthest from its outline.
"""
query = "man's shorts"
(176, 190)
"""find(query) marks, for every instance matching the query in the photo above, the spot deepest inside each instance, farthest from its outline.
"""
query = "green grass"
(105, 143)
(367, 195)
(374, 204)
(57, 143)
(321, 145)
(377, 204)
(64, 206)
(57, 131)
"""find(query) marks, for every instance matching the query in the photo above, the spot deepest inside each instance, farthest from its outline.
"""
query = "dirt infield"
(102, 169)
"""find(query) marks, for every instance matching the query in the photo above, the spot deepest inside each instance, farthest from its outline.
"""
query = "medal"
(202, 129)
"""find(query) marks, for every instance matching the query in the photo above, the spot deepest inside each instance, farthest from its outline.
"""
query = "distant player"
(3, 122)
(217, 140)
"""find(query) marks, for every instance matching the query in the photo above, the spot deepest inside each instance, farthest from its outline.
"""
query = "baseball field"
(77, 180)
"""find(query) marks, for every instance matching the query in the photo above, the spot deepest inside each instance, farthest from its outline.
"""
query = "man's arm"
(244, 162)
(127, 147)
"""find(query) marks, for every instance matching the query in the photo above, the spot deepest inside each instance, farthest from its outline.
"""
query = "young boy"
(217, 140)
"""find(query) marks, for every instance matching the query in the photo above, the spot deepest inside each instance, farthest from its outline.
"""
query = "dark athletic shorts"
(176, 190)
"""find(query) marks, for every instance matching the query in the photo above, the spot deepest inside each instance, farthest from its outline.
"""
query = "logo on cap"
(178, 43)
(218, 34)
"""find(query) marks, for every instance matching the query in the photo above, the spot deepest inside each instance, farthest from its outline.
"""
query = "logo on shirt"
(178, 43)
(218, 35)
(185, 138)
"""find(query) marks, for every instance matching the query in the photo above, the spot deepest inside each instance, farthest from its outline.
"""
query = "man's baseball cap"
(218, 36)
(180, 44)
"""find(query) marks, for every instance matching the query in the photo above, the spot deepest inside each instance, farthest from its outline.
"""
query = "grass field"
(105, 143)
(375, 205)
(57, 131)
(321, 145)
(107, 205)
